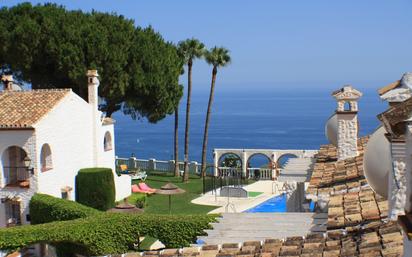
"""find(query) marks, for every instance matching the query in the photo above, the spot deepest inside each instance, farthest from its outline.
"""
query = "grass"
(253, 194)
(181, 204)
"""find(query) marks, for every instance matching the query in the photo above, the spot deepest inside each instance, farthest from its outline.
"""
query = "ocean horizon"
(268, 118)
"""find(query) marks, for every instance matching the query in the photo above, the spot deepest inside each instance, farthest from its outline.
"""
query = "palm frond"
(191, 49)
(218, 57)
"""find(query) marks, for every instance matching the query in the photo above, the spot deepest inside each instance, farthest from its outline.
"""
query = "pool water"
(275, 204)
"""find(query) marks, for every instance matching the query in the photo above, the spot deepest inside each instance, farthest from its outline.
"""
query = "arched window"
(46, 162)
(347, 106)
(107, 141)
(15, 172)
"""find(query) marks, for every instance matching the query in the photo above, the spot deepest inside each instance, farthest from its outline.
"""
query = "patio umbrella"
(125, 207)
(169, 189)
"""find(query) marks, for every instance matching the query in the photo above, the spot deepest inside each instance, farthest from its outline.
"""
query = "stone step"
(241, 227)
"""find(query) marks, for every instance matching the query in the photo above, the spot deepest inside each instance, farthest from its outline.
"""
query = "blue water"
(275, 204)
(262, 118)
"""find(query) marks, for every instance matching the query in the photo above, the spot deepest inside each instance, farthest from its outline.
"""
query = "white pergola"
(274, 155)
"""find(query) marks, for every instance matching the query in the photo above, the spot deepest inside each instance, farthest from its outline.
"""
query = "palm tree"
(189, 49)
(177, 170)
(217, 57)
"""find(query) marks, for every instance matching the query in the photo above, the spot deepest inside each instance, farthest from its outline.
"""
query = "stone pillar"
(152, 164)
(172, 166)
(274, 165)
(193, 166)
(132, 163)
(244, 163)
(347, 121)
(215, 163)
(397, 179)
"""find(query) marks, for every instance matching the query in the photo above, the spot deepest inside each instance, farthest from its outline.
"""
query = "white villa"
(46, 137)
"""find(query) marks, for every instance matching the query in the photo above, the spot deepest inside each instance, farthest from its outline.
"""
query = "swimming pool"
(275, 204)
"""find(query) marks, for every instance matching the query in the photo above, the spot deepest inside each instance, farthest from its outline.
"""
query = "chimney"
(347, 116)
(93, 85)
(7, 82)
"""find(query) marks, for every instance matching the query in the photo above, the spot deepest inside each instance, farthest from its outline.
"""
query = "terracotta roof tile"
(22, 109)
(357, 217)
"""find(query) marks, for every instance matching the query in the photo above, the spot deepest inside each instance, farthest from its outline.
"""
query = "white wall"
(108, 158)
(105, 158)
(67, 130)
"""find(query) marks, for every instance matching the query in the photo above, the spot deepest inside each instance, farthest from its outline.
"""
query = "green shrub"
(140, 200)
(46, 208)
(95, 188)
(108, 233)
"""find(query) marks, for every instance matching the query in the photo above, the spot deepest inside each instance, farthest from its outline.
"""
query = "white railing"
(156, 165)
(252, 173)
(261, 173)
(229, 172)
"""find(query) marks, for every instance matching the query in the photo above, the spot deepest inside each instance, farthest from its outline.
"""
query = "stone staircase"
(242, 227)
(297, 169)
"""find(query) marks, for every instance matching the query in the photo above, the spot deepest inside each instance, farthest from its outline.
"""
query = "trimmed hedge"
(95, 188)
(109, 233)
(46, 208)
(93, 232)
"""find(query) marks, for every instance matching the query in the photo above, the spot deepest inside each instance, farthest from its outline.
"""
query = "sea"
(257, 118)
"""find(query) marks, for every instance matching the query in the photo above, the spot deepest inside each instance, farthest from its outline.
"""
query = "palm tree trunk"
(177, 171)
(209, 108)
(189, 93)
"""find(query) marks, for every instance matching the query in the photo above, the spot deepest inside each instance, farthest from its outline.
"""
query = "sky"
(275, 44)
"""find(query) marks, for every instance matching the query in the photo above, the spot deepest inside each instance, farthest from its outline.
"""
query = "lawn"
(181, 204)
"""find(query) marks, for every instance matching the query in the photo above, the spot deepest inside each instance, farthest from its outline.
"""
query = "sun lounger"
(145, 187)
(140, 175)
(137, 189)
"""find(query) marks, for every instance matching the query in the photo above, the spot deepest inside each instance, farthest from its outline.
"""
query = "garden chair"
(140, 175)
(124, 169)
(137, 189)
(145, 187)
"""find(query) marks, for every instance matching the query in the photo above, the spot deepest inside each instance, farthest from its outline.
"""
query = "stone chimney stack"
(347, 116)
(93, 85)
(7, 82)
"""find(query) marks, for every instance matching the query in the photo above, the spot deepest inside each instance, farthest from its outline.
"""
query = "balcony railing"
(16, 176)
(260, 173)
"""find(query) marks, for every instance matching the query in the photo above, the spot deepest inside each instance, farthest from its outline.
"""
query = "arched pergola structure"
(272, 154)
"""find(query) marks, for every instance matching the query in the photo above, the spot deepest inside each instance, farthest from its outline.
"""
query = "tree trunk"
(177, 171)
(209, 108)
(189, 93)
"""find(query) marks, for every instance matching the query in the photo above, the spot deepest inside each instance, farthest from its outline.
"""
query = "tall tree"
(189, 49)
(48, 46)
(217, 57)
(176, 141)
